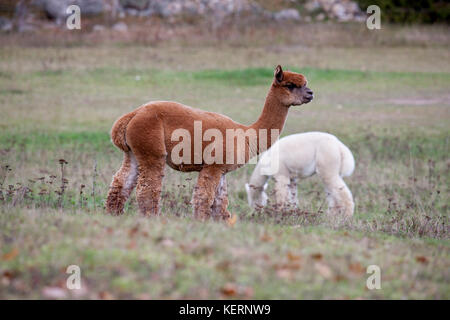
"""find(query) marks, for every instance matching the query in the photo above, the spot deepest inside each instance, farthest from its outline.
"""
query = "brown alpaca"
(144, 135)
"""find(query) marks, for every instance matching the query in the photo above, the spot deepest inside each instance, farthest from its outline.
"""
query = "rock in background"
(340, 10)
(56, 9)
(22, 15)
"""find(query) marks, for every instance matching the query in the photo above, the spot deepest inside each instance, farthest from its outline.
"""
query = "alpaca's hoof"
(114, 210)
(201, 217)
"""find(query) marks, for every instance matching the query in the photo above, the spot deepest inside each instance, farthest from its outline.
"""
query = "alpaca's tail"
(348, 161)
(119, 130)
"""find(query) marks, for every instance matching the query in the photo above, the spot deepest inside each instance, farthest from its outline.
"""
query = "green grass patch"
(395, 123)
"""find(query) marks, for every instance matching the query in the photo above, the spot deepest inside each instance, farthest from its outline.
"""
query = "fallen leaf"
(231, 221)
(266, 238)
(54, 293)
(7, 277)
(339, 278)
(10, 255)
(294, 266)
(317, 256)
(293, 257)
(105, 295)
(422, 259)
(8, 274)
(288, 266)
(356, 267)
(133, 231)
(229, 289)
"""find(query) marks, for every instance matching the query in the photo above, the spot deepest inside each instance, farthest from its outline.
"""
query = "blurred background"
(150, 21)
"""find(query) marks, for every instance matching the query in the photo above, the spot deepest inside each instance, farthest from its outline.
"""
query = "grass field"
(389, 104)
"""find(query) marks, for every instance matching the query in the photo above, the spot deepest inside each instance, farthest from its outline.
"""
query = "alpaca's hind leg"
(205, 192)
(122, 184)
(149, 185)
(328, 164)
(330, 200)
(340, 199)
(346, 199)
(220, 204)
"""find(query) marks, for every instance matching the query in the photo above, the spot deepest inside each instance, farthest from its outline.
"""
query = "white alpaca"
(302, 155)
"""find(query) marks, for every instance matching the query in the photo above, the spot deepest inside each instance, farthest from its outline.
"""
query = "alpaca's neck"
(272, 117)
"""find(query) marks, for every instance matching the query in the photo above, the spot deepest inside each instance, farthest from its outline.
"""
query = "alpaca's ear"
(278, 74)
(247, 187)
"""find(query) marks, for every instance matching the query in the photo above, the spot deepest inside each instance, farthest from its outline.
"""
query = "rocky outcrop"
(287, 14)
(341, 10)
(170, 8)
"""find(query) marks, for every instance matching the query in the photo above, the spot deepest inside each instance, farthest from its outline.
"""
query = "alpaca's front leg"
(293, 193)
(122, 185)
(282, 191)
(220, 204)
(205, 192)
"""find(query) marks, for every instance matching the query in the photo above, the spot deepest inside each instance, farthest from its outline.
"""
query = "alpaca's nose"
(308, 96)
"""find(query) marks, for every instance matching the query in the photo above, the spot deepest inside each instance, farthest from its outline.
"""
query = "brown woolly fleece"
(144, 135)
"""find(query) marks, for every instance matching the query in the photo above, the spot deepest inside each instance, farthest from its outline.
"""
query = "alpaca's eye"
(290, 86)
